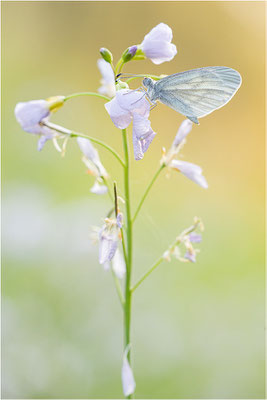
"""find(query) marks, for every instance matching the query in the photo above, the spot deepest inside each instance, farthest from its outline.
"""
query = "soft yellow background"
(198, 329)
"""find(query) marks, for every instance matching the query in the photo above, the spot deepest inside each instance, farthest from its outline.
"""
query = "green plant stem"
(147, 191)
(151, 269)
(101, 96)
(128, 293)
(70, 133)
(118, 288)
(118, 67)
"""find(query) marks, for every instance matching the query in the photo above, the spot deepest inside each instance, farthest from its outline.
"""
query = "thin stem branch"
(147, 191)
(118, 67)
(65, 131)
(151, 269)
(101, 96)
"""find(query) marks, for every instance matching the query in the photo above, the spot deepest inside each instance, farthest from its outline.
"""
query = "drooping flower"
(108, 80)
(32, 116)
(191, 171)
(127, 377)
(95, 167)
(117, 264)
(157, 44)
(130, 105)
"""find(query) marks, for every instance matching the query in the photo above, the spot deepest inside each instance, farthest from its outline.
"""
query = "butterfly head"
(149, 85)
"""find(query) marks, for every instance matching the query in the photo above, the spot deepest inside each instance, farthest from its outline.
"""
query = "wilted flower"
(32, 115)
(128, 382)
(108, 240)
(131, 105)
(157, 44)
(117, 264)
(191, 252)
(195, 237)
(186, 238)
(108, 80)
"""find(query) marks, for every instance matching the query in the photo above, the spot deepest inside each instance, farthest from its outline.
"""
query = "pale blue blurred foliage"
(198, 329)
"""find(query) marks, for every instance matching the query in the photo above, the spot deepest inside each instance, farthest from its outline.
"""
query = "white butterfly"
(197, 92)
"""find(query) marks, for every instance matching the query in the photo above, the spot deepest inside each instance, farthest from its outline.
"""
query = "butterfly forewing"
(198, 92)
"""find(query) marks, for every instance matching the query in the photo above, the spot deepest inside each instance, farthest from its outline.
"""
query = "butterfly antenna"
(125, 76)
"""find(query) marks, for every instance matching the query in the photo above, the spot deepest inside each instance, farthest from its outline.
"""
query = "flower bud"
(106, 55)
(129, 54)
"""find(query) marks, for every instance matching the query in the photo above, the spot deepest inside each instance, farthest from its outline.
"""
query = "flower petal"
(157, 44)
(133, 101)
(128, 382)
(118, 265)
(41, 142)
(143, 135)
(191, 171)
(91, 154)
(119, 220)
(120, 117)
(159, 32)
(195, 237)
(98, 189)
(108, 243)
(31, 112)
(183, 131)
(190, 256)
(108, 88)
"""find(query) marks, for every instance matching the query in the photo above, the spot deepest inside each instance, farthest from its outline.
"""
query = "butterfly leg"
(154, 104)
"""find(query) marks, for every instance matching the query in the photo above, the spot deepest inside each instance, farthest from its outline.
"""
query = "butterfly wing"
(198, 92)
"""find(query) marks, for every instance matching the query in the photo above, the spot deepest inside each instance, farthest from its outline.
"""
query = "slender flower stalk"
(128, 293)
(147, 191)
(72, 96)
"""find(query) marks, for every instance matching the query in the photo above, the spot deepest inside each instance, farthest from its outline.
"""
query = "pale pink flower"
(130, 105)
(157, 44)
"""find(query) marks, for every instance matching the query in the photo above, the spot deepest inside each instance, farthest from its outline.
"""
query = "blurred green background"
(198, 329)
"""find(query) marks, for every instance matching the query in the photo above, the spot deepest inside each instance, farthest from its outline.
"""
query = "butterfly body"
(197, 92)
